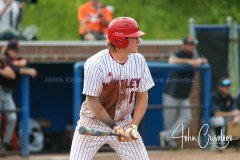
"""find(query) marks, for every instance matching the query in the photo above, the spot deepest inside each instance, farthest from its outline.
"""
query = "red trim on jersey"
(115, 59)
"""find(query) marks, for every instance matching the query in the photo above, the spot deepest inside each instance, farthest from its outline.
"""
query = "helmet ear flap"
(124, 42)
(121, 42)
(118, 42)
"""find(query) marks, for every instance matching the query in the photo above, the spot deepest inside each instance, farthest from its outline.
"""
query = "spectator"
(223, 108)
(13, 67)
(94, 18)
(238, 101)
(11, 15)
(177, 91)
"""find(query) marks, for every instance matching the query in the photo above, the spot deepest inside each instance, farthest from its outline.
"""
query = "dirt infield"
(196, 154)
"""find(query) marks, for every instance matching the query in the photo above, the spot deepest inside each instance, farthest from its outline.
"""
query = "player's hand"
(235, 120)
(89, 36)
(33, 72)
(195, 62)
(192, 63)
(119, 130)
(133, 132)
(204, 60)
(124, 136)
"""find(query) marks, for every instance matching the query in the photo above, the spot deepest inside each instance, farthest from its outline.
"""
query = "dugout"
(49, 102)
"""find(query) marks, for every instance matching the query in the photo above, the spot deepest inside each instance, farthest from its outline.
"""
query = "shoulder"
(85, 6)
(96, 59)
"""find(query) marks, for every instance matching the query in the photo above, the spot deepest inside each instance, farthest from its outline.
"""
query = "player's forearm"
(235, 112)
(99, 111)
(7, 72)
(223, 114)
(140, 108)
(178, 60)
(24, 70)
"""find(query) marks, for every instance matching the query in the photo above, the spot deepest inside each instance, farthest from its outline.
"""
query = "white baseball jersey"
(99, 71)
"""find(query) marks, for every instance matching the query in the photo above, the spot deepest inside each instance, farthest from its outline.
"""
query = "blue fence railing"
(24, 139)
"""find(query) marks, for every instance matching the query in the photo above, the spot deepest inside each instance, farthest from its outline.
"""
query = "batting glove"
(119, 130)
(132, 131)
(132, 134)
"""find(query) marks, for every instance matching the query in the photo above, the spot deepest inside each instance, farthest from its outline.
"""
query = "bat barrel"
(94, 132)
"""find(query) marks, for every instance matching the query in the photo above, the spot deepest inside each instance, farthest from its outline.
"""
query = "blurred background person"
(9, 12)
(11, 16)
(224, 110)
(177, 91)
(8, 73)
(13, 67)
(238, 101)
(94, 18)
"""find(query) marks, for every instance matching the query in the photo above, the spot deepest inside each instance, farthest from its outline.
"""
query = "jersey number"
(132, 95)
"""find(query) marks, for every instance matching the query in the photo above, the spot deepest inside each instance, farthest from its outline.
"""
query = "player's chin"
(134, 50)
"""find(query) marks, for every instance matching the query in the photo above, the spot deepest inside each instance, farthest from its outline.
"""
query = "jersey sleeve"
(14, 68)
(92, 84)
(146, 81)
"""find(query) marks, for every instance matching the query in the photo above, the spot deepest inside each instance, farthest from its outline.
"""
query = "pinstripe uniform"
(99, 70)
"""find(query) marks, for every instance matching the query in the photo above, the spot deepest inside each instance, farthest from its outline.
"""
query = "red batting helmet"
(120, 28)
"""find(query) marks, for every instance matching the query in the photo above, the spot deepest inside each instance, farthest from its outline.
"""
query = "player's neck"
(120, 57)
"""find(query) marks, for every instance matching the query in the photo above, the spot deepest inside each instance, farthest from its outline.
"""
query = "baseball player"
(8, 80)
(114, 79)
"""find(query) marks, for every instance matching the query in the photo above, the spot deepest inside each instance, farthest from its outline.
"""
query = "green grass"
(160, 19)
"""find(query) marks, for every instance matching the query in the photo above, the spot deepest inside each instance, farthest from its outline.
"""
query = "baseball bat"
(95, 132)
